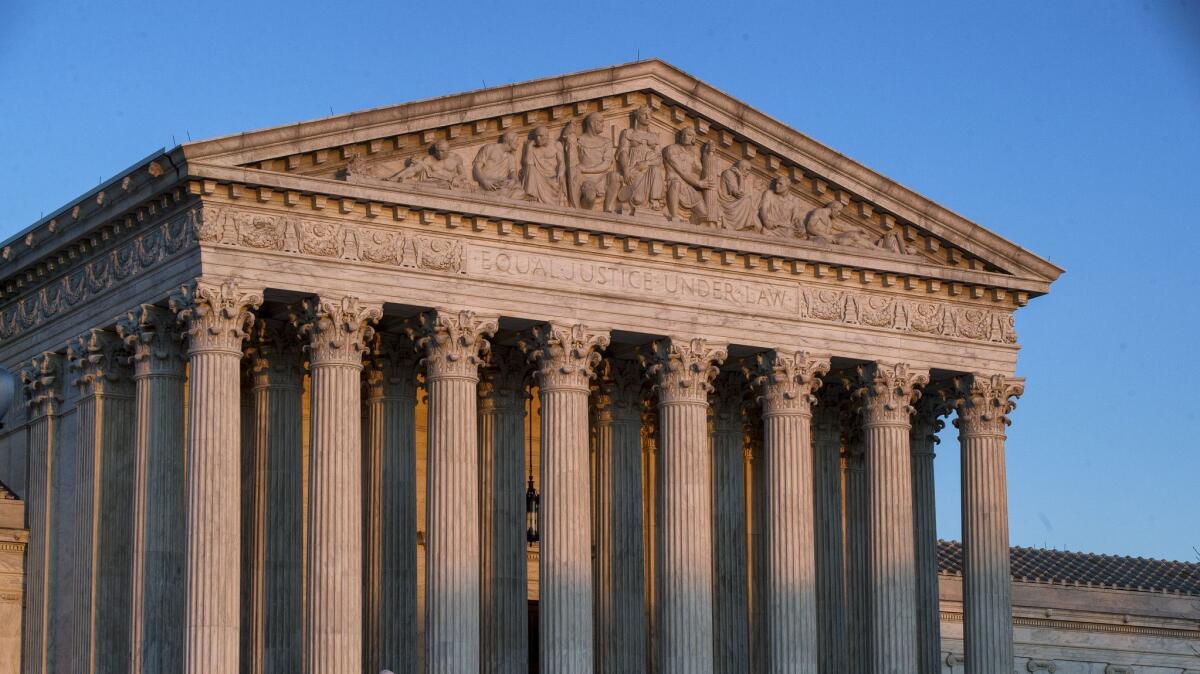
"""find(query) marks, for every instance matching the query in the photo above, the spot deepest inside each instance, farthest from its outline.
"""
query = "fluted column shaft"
(502, 498)
(854, 534)
(621, 625)
(565, 357)
(217, 317)
(43, 380)
(273, 526)
(787, 382)
(337, 332)
(731, 599)
(157, 607)
(922, 439)
(683, 373)
(888, 391)
(650, 540)
(390, 507)
(983, 409)
(453, 344)
(100, 365)
(832, 648)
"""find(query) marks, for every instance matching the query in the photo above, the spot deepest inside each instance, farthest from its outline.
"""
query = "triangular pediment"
(636, 141)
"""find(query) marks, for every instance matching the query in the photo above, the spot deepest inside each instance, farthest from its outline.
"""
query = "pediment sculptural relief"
(579, 167)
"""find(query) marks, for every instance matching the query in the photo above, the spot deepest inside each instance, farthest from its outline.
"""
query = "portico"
(397, 316)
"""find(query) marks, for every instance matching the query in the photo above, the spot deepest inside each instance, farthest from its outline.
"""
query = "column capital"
(729, 400)
(455, 342)
(337, 329)
(618, 391)
(152, 335)
(273, 355)
(788, 381)
(887, 392)
(391, 367)
(502, 380)
(42, 379)
(649, 426)
(684, 370)
(217, 314)
(935, 403)
(984, 402)
(565, 356)
(100, 363)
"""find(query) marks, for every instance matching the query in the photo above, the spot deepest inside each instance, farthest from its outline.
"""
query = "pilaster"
(983, 403)
(565, 358)
(683, 372)
(217, 316)
(337, 331)
(926, 423)
(454, 344)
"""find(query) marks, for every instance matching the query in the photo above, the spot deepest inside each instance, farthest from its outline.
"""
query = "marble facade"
(264, 371)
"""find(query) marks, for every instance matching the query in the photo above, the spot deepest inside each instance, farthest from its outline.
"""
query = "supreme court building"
(612, 350)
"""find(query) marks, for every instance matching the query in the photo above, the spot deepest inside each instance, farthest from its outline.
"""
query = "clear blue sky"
(1072, 128)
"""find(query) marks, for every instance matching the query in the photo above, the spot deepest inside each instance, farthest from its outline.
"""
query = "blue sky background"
(1072, 128)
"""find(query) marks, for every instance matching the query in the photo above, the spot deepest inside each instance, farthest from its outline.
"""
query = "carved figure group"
(582, 169)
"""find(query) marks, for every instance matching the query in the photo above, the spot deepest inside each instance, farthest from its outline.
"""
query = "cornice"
(336, 196)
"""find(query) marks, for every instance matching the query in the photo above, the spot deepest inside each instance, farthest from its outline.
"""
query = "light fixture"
(533, 500)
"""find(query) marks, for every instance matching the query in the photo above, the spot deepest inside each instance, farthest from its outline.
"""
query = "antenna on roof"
(331, 111)
(639, 54)
(189, 135)
(173, 143)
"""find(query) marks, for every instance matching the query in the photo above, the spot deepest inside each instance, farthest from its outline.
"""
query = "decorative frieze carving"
(565, 356)
(455, 343)
(338, 330)
(984, 403)
(100, 363)
(42, 380)
(788, 381)
(346, 241)
(683, 371)
(97, 276)
(888, 391)
(217, 314)
(907, 315)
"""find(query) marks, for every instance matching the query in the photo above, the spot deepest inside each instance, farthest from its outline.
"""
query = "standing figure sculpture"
(590, 175)
(738, 202)
(495, 167)
(639, 161)
(781, 212)
(687, 181)
(822, 227)
(543, 168)
(440, 168)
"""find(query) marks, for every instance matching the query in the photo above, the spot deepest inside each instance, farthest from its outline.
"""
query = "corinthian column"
(502, 498)
(565, 357)
(923, 437)
(787, 382)
(273, 528)
(619, 554)
(650, 514)
(731, 601)
(217, 317)
(390, 503)
(887, 394)
(337, 332)
(43, 383)
(983, 408)
(827, 510)
(158, 517)
(453, 345)
(854, 541)
(105, 437)
(683, 373)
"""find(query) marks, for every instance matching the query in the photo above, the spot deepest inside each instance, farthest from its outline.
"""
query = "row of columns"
(835, 577)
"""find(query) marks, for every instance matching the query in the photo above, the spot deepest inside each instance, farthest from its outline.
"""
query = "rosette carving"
(455, 343)
(888, 391)
(502, 380)
(153, 337)
(788, 381)
(618, 391)
(565, 356)
(984, 403)
(42, 380)
(100, 363)
(217, 315)
(273, 355)
(684, 371)
(337, 331)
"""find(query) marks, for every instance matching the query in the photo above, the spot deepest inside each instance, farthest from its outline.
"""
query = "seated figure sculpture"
(737, 197)
(543, 168)
(780, 211)
(496, 169)
(639, 162)
(686, 179)
(590, 171)
(440, 168)
(822, 226)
